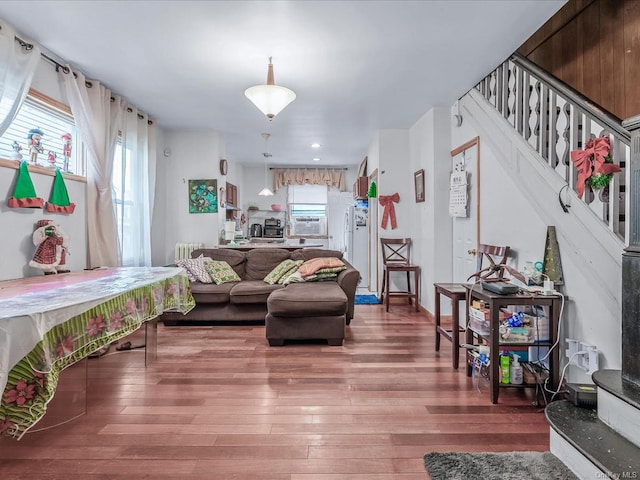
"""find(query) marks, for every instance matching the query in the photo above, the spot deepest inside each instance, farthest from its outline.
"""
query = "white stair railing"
(555, 120)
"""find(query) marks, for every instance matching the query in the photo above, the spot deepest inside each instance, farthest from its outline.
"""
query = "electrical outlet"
(582, 355)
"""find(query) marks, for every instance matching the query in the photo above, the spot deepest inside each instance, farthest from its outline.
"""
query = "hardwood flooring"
(221, 404)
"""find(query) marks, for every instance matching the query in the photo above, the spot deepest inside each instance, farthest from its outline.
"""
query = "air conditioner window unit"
(309, 225)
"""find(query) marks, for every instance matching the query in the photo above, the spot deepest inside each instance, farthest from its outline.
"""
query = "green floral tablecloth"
(130, 297)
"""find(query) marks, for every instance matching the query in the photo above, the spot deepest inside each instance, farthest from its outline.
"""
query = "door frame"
(374, 279)
(458, 150)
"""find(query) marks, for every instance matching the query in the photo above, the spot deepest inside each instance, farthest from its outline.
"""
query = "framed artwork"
(418, 180)
(203, 196)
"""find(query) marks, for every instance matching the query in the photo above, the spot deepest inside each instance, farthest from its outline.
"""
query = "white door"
(465, 229)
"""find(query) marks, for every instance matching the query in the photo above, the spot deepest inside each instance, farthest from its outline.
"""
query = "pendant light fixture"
(265, 192)
(270, 99)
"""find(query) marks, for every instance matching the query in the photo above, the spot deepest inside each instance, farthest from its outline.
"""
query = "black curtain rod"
(310, 168)
(29, 46)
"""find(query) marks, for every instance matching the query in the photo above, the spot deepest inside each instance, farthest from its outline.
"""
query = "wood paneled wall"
(593, 46)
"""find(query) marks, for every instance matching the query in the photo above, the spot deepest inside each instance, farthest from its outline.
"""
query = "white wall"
(193, 155)
(18, 224)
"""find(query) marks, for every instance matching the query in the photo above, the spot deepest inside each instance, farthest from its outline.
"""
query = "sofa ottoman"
(306, 311)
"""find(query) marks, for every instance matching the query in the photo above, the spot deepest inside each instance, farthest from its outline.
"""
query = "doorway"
(466, 229)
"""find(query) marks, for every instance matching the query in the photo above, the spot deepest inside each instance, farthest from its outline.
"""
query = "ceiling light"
(315, 145)
(265, 192)
(316, 159)
(270, 98)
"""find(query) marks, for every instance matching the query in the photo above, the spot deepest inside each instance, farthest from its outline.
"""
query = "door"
(466, 230)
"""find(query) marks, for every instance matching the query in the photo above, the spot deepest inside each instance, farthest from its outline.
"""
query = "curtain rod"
(310, 168)
(29, 46)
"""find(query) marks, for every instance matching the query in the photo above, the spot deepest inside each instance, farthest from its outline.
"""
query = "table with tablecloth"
(48, 323)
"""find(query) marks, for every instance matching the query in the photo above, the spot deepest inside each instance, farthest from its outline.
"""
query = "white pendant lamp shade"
(270, 99)
(266, 191)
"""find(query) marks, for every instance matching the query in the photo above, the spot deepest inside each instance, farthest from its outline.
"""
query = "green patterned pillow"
(289, 272)
(221, 272)
(295, 277)
(278, 272)
(331, 270)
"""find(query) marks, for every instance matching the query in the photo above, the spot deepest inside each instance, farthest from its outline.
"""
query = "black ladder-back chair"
(396, 257)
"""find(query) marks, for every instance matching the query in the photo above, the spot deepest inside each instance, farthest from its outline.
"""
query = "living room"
(508, 214)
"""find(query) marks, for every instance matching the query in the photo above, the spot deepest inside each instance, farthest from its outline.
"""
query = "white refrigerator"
(356, 240)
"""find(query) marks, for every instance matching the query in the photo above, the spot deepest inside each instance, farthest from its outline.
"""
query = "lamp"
(270, 98)
(265, 192)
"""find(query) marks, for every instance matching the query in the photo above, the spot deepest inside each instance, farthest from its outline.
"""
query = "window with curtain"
(122, 199)
(59, 134)
(307, 207)
(131, 183)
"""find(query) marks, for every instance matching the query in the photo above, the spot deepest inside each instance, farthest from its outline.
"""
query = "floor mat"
(366, 300)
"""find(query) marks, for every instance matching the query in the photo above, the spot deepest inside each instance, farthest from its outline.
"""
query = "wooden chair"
(497, 257)
(456, 292)
(396, 257)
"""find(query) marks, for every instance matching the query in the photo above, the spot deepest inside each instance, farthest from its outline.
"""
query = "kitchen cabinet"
(231, 200)
(232, 195)
(490, 335)
(361, 188)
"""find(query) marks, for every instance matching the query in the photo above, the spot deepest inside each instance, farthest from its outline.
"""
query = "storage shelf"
(492, 338)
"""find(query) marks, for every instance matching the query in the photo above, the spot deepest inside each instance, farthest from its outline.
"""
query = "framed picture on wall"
(418, 179)
(203, 196)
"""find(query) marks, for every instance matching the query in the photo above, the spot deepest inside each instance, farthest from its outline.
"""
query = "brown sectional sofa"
(248, 300)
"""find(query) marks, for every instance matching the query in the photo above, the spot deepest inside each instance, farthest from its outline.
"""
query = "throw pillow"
(278, 272)
(295, 277)
(221, 272)
(311, 266)
(332, 270)
(195, 268)
(289, 272)
(321, 277)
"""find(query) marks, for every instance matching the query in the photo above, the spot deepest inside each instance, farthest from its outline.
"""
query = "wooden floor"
(221, 404)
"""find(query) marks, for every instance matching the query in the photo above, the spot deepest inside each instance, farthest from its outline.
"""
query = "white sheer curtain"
(137, 180)
(17, 65)
(98, 117)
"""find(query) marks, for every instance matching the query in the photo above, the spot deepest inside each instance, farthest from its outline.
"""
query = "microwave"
(272, 222)
(272, 232)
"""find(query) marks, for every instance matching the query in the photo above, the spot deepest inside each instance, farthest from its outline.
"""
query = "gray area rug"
(496, 466)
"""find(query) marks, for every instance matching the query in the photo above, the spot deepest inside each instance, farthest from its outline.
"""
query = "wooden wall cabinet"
(231, 194)
(361, 188)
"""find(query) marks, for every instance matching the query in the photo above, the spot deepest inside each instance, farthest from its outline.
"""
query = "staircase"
(603, 443)
(554, 120)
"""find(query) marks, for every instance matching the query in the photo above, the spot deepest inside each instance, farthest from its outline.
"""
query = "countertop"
(286, 245)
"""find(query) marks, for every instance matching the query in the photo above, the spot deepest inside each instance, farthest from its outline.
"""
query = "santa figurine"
(51, 158)
(51, 247)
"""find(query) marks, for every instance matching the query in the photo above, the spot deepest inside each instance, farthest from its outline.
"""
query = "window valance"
(333, 177)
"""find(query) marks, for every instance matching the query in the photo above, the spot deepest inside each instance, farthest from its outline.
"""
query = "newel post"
(631, 261)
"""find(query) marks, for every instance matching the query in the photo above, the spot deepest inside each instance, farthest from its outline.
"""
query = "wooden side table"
(456, 292)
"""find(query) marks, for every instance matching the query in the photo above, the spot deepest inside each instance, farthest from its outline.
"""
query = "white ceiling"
(356, 66)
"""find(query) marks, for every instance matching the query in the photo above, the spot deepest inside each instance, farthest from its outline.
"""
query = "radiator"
(183, 250)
